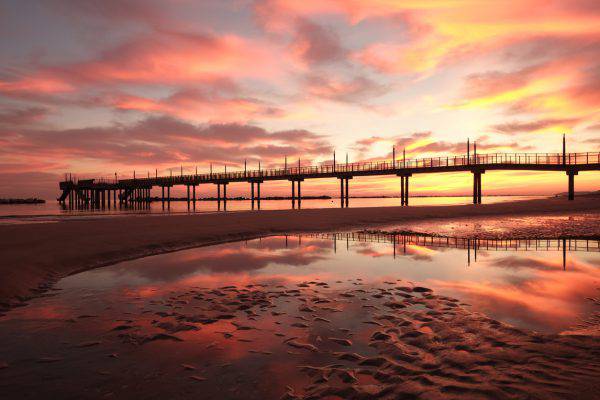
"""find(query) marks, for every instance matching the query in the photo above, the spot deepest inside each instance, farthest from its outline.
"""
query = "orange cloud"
(439, 32)
(36, 84)
(160, 58)
(197, 106)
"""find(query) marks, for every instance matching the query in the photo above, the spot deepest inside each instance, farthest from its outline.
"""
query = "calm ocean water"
(52, 208)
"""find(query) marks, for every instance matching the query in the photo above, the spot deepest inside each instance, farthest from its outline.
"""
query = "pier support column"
(571, 175)
(168, 197)
(225, 196)
(194, 196)
(341, 192)
(188, 196)
(404, 188)
(299, 194)
(218, 196)
(477, 186)
(293, 194)
(115, 198)
(162, 196)
(479, 191)
(258, 194)
(406, 185)
(252, 193)
(347, 186)
(108, 197)
(474, 188)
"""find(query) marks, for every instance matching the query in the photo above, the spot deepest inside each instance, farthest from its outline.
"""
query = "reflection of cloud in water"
(417, 253)
(521, 262)
(279, 242)
(548, 296)
(219, 259)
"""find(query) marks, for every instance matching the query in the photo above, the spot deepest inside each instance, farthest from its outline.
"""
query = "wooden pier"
(107, 193)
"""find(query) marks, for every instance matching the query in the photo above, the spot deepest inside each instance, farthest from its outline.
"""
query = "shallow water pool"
(238, 320)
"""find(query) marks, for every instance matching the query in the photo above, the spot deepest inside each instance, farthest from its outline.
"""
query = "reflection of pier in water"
(401, 240)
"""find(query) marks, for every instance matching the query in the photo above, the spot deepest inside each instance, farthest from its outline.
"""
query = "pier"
(135, 192)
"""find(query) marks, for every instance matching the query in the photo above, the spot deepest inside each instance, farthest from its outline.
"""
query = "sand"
(36, 255)
(312, 340)
(309, 340)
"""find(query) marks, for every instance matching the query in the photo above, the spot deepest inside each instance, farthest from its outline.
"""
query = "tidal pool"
(310, 315)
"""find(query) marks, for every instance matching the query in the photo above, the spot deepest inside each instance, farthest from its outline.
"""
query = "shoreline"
(37, 255)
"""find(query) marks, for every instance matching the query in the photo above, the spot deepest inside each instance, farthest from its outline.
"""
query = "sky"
(97, 88)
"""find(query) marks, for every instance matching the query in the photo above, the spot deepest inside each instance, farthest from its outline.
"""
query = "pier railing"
(482, 160)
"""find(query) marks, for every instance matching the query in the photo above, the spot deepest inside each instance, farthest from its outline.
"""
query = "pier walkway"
(99, 193)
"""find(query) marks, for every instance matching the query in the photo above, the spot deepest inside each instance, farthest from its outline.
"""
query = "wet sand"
(312, 340)
(320, 338)
(36, 255)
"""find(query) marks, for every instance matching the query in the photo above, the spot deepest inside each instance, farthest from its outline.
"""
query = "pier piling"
(571, 190)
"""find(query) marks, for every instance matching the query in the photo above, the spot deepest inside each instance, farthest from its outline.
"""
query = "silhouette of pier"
(101, 193)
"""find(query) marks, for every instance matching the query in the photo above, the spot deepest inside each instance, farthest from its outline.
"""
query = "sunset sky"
(98, 87)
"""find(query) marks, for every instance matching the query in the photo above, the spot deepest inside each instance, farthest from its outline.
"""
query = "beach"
(37, 255)
(209, 305)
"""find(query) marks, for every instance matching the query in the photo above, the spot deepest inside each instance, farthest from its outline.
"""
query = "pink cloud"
(160, 58)
(353, 90)
(22, 116)
(193, 104)
(162, 141)
(315, 44)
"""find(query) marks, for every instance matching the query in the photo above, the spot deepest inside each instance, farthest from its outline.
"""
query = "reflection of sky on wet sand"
(75, 327)
(528, 289)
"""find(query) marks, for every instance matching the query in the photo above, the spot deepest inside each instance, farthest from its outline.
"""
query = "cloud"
(158, 141)
(22, 116)
(425, 144)
(145, 11)
(561, 91)
(512, 128)
(16, 184)
(159, 58)
(355, 90)
(315, 44)
(196, 104)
